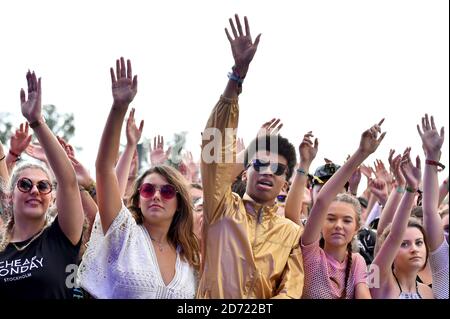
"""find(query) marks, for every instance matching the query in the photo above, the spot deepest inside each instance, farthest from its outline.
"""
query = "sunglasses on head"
(276, 168)
(25, 185)
(148, 190)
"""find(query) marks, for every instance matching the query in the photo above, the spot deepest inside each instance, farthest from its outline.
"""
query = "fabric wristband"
(400, 189)
(36, 123)
(435, 163)
(409, 189)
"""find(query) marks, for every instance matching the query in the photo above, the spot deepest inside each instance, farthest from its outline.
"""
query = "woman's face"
(340, 225)
(31, 204)
(157, 209)
(412, 253)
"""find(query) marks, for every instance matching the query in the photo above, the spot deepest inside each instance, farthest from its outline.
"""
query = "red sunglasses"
(148, 190)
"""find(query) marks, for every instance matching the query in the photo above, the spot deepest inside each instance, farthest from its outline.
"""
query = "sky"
(333, 67)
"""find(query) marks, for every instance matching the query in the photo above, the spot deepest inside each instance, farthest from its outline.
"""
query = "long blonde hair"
(7, 203)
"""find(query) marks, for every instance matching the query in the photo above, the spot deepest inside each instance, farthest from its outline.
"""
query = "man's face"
(263, 180)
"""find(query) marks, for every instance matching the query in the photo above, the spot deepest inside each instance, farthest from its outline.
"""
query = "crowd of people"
(244, 222)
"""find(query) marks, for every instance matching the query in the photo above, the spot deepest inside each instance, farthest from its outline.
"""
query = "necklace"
(160, 245)
(28, 244)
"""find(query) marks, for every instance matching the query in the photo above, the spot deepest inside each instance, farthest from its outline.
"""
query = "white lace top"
(122, 265)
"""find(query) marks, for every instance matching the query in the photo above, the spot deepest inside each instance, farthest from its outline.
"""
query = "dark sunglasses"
(25, 185)
(276, 168)
(281, 198)
(148, 190)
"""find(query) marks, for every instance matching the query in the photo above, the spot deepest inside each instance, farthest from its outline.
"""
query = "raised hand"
(66, 146)
(242, 46)
(124, 85)
(378, 188)
(307, 149)
(157, 155)
(431, 140)
(412, 174)
(83, 177)
(366, 171)
(20, 140)
(370, 140)
(133, 132)
(381, 172)
(31, 107)
(271, 127)
(36, 151)
(399, 178)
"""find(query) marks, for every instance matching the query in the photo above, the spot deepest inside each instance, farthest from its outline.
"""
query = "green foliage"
(5, 127)
(61, 124)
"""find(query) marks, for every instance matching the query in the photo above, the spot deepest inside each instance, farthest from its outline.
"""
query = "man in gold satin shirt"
(248, 250)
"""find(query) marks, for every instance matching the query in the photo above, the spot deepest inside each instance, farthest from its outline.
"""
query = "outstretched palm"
(124, 85)
(431, 140)
(242, 46)
(133, 132)
(20, 141)
(31, 107)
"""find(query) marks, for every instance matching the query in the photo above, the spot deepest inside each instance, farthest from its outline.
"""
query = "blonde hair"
(7, 205)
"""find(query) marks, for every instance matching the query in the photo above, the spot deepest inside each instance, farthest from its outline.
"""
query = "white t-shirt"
(122, 264)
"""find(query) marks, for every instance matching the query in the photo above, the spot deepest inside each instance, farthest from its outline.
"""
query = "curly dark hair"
(273, 143)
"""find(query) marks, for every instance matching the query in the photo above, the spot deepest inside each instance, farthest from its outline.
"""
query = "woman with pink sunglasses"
(148, 249)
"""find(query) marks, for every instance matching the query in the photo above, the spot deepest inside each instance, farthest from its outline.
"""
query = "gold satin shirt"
(248, 250)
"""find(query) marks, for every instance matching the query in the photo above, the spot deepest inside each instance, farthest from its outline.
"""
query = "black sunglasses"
(276, 168)
(25, 185)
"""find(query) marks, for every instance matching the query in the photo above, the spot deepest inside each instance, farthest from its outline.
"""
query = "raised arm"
(68, 202)
(124, 164)
(443, 191)
(431, 143)
(294, 201)
(368, 144)
(243, 49)
(18, 143)
(394, 198)
(124, 88)
(4, 174)
(390, 246)
(218, 159)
